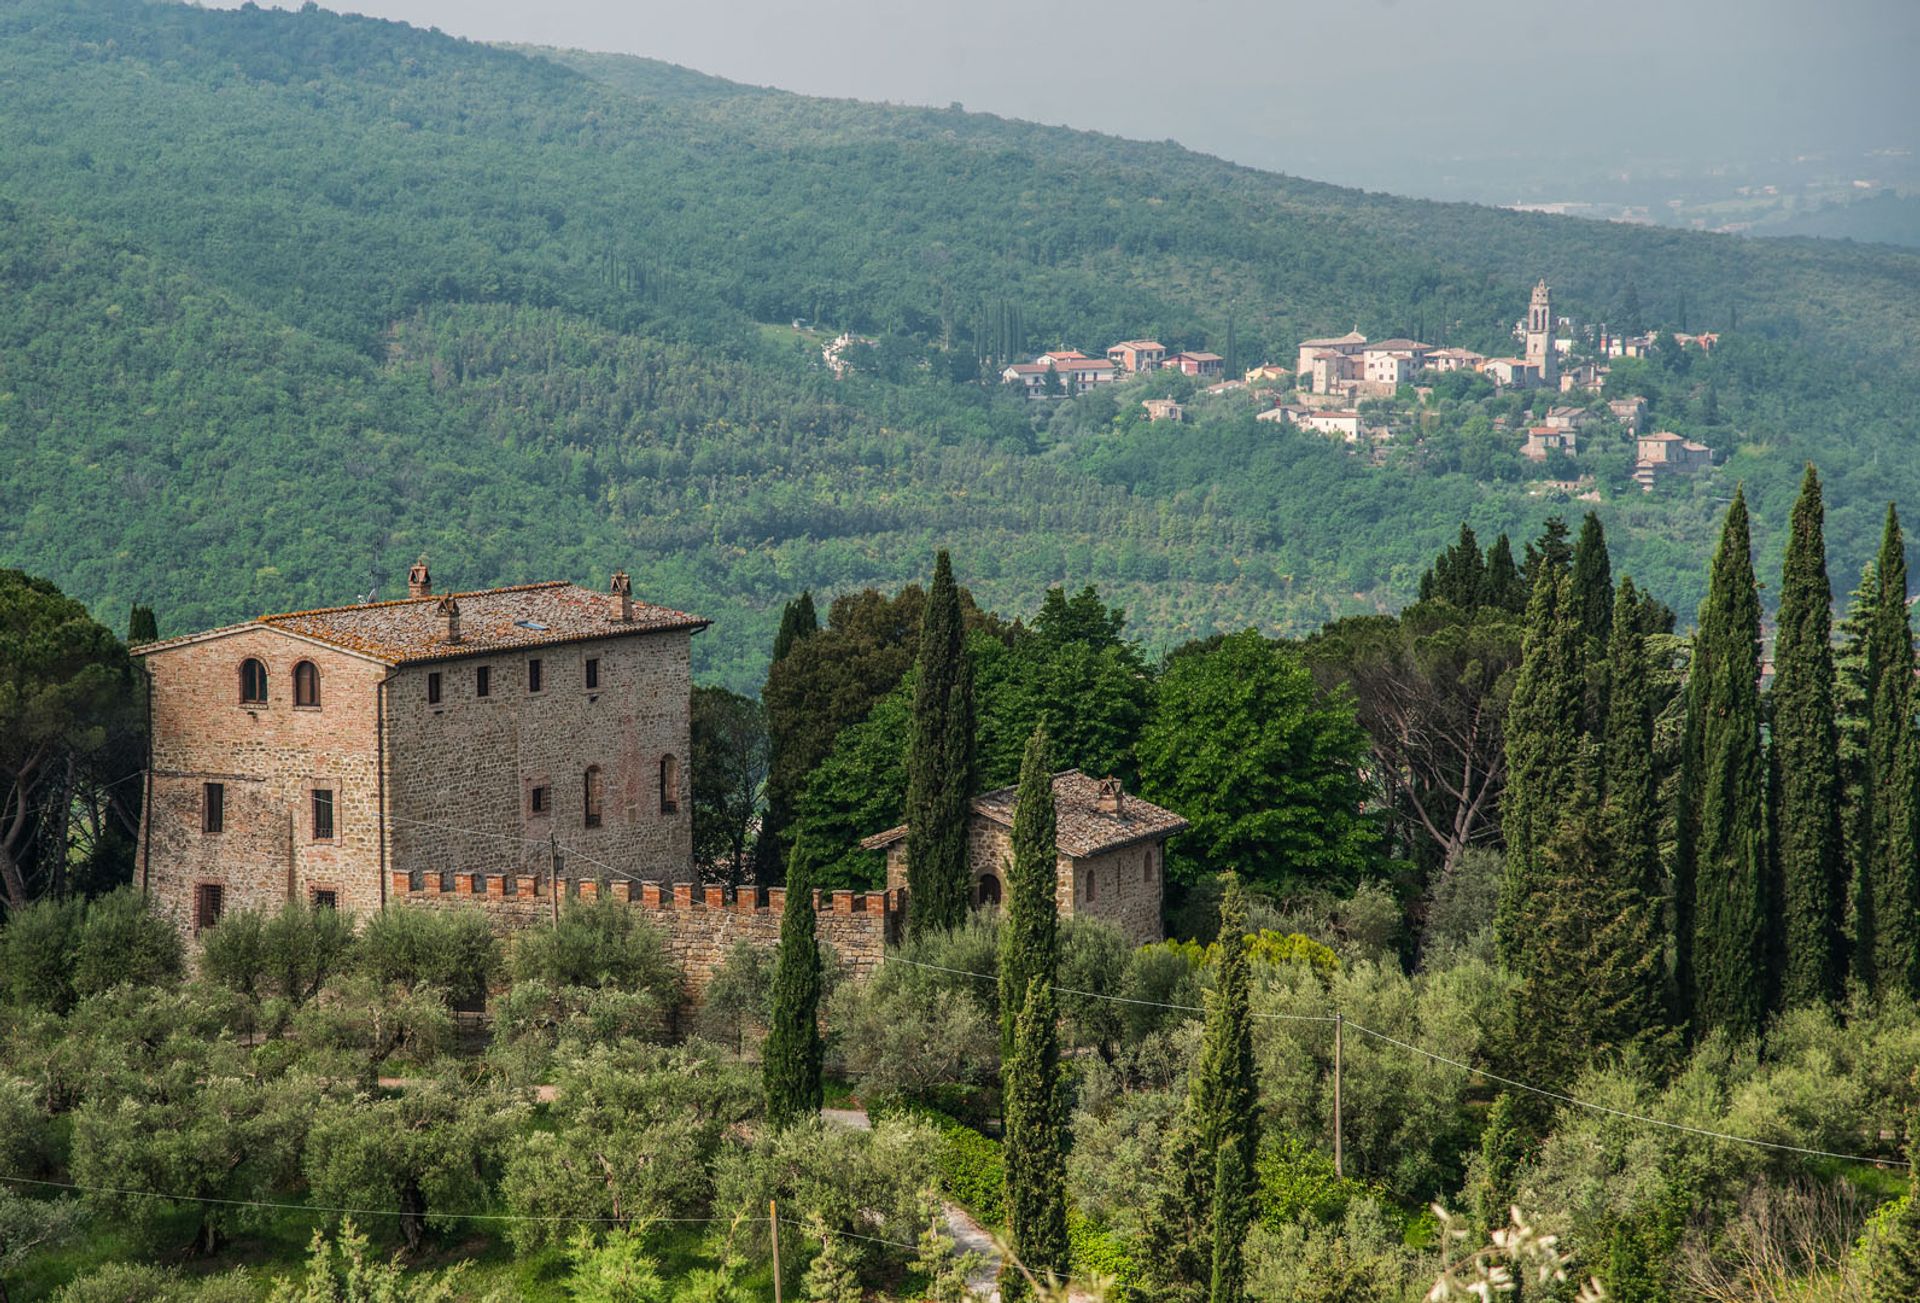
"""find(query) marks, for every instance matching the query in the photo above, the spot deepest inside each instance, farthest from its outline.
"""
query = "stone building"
(476, 736)
(1110, 852)
(1542, 357)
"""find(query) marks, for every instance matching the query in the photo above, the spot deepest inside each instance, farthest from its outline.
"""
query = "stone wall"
(1126, 884)
(463, 770)
(269, 757)
(458, 774)
(699, 924)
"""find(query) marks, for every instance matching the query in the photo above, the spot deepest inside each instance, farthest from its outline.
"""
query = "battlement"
(646, 895)
(699, 922)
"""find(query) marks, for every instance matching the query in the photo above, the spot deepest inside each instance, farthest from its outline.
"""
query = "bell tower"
(1540, 352)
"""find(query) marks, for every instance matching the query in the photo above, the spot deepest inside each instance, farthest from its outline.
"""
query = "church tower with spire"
(1540, 351)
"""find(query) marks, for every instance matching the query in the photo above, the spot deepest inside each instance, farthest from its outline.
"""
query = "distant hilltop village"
(1331, 377)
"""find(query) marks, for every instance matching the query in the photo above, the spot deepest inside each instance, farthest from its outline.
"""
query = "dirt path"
(969, 1236)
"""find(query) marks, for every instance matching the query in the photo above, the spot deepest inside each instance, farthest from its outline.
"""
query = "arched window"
(253, 682)
(306, 684)
(986, 891)
(590, 791)
(669, 785)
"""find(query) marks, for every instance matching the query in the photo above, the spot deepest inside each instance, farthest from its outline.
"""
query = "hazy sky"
(1388, 93)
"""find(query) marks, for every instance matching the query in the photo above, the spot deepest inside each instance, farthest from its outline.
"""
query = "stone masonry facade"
(265, 760)
(1122, 887)
(422, 732)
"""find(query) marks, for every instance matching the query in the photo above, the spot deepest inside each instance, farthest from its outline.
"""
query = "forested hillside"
(287, 298)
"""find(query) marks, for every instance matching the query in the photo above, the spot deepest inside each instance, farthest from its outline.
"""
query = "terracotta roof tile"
(491, 620)
(1081, 827)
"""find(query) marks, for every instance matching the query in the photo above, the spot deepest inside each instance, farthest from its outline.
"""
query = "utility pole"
(773, 1224)
(1339, 1159)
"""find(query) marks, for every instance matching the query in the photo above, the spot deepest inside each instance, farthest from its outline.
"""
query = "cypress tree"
(1035, 1146)
(1593, 582)
(141, 625)
(1887, 945)
(1721, 869)
(940, 763)
(1543, 723)
(1634, 940)
(1592, 975)
(1029, 934)
(1809, 873)
(1504, 588)
(1183, 1256)
(790, 1070)
(797, 620)
(1457, 575)
(1551, 550)
(1852, 725)
(1233, 1190)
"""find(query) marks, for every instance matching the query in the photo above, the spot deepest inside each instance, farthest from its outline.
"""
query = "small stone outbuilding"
(1110, 846)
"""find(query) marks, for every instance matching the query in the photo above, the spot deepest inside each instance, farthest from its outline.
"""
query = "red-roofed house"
(306, 757)
(1205, 365)
(1136, 355)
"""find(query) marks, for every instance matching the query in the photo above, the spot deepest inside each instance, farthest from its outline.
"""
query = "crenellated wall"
(699, 924)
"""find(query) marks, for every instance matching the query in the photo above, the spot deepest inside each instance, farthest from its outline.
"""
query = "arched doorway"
(986, 890)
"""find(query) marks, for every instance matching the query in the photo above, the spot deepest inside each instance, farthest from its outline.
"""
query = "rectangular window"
(213, 807)
(326, 899)
(533, 675)
(206, 905)
(433, 688)
(537, 800)
(593, 671)
(483, 681)
(1091, 876)
(591, 790)
(323, 814)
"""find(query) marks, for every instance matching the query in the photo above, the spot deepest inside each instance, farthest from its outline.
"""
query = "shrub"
(868, 1183)
(635, 1131)
(1093, 1253)
(26, 1133)
(233, 953)
(430, 1150)
(1298, 1183)
(1113, 1167)
(291, 954)
(1163, 986)
(121, 940)
(36, 954)
(603, 943)
(453, 950)
(907, 1038)
(1460, 904)
(733, 1008)
(1093, 958)
(369, 1024)
(533, 1022)
(973, 1171)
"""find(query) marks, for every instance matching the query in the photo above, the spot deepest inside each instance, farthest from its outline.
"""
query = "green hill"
(287, 298)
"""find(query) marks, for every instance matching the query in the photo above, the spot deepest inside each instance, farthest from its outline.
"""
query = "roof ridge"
(403, 601)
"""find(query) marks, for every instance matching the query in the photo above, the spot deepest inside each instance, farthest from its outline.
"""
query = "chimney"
(449, 610)
(622, 587)
(419, 582)
(1110, 797)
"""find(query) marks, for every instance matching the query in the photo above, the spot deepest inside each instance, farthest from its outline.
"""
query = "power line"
(1542, 1091)
(431, 1212)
